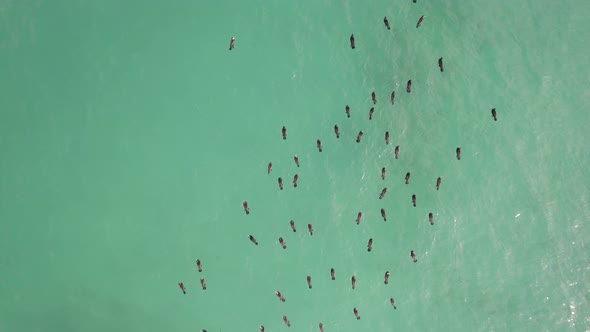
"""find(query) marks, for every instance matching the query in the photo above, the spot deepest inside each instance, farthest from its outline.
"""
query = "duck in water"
(438, 182)
(295, 179)
(352, 41)
(458, 152)
(280, 296)
(387, 277)
(246, 208)
(374, 98)
(359, 136)
(387, 137)
(494, 114)
(383, 173)
(414, 200)
(280, 180)
(199, 266)
(319, 144)
(310, 229)
(269, 168)
(286, 320)
(359, 216)
(292, 223)
(440, 65)
(309, 282)
(182, 288)
(284, 132)
(408, 178)
(386, 23)
(396, 152)
(420, 21)
(333, 273)
(393, 97)
(282, 242)
(296, 159)
(203, 284)
(383, 192)
(353, 281)
(431, 218)
(252, 239)
(370, 245)
(392, 303)
(232, 42)
(409, 86)
(383, 214)
(356, 313)
(337, 131)
(371, 111)
(413, 255)
(347, 111)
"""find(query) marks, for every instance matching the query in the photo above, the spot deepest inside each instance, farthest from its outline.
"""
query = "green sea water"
(130, 135)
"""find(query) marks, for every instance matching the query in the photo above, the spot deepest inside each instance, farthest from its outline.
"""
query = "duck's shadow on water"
(90, 312)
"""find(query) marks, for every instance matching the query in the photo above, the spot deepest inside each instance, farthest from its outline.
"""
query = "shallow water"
(130, 136)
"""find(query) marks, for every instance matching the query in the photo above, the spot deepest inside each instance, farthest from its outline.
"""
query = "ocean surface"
(130, 135)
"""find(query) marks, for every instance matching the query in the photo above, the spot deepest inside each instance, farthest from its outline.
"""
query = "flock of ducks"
(282, 243)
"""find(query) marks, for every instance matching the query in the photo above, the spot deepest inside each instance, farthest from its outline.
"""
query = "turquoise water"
(130, 135)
